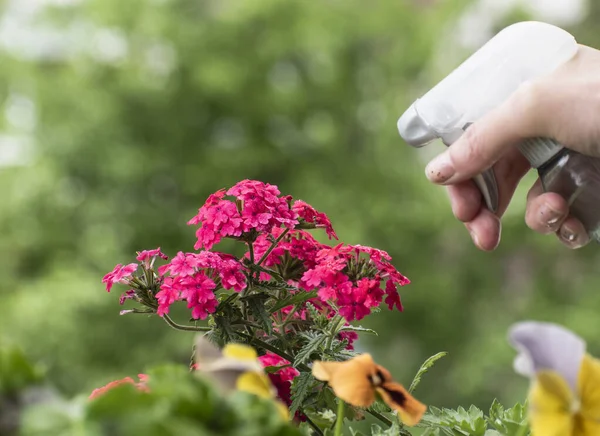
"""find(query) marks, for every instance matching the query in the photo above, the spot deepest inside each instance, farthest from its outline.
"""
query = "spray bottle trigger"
(486, 182)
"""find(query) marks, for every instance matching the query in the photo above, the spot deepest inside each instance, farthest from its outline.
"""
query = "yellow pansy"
(564, 397)
(236, 367)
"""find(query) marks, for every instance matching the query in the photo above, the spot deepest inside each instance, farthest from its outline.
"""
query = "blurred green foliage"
(155, 104)
(178, 403)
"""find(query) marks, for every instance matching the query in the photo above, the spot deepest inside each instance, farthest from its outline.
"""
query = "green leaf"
(225, 301)
(310, 347)
(256, 304)
(255, 269)
(224, 329)
(457, 422)
(320, 320)
(300, 390)
(292, 300)
(358, 329)
(16, 371)
(379, 407)
(512, 421)
(424, 368)
(394, 430)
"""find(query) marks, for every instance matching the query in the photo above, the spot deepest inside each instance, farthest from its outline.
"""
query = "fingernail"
(548, 216)
(567, 234)
(440, 169)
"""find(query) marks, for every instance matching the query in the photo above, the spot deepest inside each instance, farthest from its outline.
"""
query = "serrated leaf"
(320, 320)
(424, 368)
(394, 430)
(512, 421)
(224, 330)
(358, 329)
(300, 389)
(256, 304)
(310, 347)
(379, 407)
(335, 325)
(257, 269)
(337, 346)
(292, 300)
(225, 301)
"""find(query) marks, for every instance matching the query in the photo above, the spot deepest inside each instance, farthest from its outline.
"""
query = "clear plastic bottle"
(572, 175)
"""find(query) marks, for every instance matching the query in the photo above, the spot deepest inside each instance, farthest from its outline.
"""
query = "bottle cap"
(538, 151)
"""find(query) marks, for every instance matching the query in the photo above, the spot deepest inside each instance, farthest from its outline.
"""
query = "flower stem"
(335, 331)
(314, 426)
(186, 328)
(272, 247)
(339, 422)
(380, 417)
(251, 251)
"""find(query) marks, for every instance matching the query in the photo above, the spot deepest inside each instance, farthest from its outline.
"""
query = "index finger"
(487, 139)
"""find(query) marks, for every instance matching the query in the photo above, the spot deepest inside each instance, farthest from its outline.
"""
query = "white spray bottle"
(517, 54)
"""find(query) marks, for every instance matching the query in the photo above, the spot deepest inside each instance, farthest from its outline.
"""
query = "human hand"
(565, 106)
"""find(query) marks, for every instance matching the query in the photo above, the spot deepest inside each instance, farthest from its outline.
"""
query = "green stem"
(290, 315)
(272, 247)
(380, 417)
(185, 328)
(339, 422)
(334, 332)
(251, 251)
(314, 426)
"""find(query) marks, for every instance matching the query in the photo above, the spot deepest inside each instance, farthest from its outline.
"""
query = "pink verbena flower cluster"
(193, 277)
(256, 207)
(351, 277)
(349, 280)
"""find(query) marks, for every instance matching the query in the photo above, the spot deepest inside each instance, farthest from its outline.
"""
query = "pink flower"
(357, 304)
(170, 291)
(119, 275)
(198, 291)
(393, 298)
(282, 379)
(257, 207)
(372, 290)
(183, 264)
(127, 295)
(352, 282)
(381, 260)
(232, 277)
(218, 218)
(350, 336)
(149, 255)
(262, 208)
(212, 200)
(312, 216)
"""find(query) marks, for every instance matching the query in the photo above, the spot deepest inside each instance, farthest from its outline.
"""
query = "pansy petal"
(550, 401)
(546, 346)
(589, 391)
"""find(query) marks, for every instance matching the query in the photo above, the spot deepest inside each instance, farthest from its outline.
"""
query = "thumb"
(489, 138)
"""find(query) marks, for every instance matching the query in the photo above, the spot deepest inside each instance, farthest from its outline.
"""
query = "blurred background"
(118, 119)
